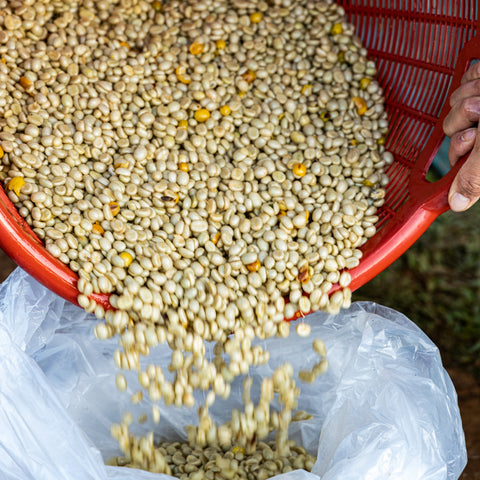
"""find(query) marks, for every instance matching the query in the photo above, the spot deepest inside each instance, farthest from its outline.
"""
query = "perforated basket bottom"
(416, 46)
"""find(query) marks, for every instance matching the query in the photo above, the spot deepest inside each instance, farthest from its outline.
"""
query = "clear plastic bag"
(386, 408)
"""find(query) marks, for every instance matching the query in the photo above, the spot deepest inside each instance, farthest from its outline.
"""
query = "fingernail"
(467, 135)
(458, 202)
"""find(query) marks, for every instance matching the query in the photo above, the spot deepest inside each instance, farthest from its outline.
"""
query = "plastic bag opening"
(386, 407)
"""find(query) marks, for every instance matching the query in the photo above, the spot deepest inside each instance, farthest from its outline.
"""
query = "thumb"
(465, 189)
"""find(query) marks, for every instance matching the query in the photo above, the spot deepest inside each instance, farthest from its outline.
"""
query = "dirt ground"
(468, 389)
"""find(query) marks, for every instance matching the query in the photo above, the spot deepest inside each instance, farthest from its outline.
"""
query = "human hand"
(462, 126)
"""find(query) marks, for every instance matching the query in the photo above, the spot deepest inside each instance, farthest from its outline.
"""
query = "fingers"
(472, 73)
(460, 144)
(462, 116)
(465, 189)
(470, 89)
(465, 114)
(465, 103)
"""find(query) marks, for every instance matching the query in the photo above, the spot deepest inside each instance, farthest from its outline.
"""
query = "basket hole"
(440, 165)
(472, 62)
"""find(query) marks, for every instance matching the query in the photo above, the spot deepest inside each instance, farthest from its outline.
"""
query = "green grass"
(436, 284)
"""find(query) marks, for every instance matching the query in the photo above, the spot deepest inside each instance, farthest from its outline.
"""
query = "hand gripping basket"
(421, 48)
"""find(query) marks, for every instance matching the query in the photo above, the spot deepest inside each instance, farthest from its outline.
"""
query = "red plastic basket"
(421, 48)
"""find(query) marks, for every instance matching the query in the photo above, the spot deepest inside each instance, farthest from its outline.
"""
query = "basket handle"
(434, 196)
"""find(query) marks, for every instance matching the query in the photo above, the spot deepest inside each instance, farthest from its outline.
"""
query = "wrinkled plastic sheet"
(386, 408)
